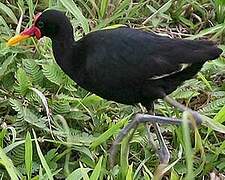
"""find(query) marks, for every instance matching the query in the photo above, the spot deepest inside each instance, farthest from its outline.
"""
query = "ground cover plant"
(53, 129)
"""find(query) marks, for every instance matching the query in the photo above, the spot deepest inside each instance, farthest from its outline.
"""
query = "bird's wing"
(126, 55)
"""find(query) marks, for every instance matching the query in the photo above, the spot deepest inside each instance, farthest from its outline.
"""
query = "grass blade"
(188, 149)
(31, 10)
(214, 125)
(205, 32)
(28, 155)
(124, 164)
(75, 11)
(43, 161)
(162, 9)
(96, 173)
(111, 131)
(5, 161)
(103, 7)
(9, 12)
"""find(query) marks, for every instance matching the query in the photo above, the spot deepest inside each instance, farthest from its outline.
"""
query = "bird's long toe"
(164, 155)
(196, 117)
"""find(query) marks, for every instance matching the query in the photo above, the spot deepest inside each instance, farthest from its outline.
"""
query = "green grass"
(53, 129)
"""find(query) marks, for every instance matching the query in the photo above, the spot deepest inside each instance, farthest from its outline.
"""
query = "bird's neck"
(67, 56)
(62, 50)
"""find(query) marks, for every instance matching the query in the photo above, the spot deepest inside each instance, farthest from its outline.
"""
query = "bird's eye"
(40, 24)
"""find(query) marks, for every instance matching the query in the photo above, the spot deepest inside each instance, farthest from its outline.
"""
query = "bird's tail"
(209, 50)
(194, 52)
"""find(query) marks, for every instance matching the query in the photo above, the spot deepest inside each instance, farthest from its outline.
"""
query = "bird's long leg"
(150, 137)
(150, 109)
(139, 118)
(144, 118)
(174, 103)
(162, 151)
(164, 154)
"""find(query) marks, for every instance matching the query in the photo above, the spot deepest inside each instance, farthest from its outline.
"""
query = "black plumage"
(125, 65)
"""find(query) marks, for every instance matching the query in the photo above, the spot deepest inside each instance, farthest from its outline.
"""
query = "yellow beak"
(16, 39)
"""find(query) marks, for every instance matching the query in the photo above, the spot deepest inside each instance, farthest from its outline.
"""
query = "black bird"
(125, 65)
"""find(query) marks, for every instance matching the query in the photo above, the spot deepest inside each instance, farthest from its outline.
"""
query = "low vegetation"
(53, 129)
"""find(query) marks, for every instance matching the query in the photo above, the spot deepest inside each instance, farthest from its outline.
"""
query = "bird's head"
(51, 23)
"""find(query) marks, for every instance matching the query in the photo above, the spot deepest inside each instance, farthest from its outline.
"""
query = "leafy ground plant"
(53, 129)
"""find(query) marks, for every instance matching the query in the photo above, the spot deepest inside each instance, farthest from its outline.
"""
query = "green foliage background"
(53, 129)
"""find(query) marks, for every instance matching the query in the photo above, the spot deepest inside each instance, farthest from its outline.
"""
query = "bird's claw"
(164, 155)
(195, 117)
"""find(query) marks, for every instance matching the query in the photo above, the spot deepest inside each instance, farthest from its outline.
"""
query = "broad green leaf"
(6, 63)
(220, 116)
(187, 21)
(174, 175)
(23, 81)
(198, 143)
(146, 176)
(54, 74)
(130, 172)
(214, 125)
(13, 145)
(90, 100)
(77, 174)
(44, 101)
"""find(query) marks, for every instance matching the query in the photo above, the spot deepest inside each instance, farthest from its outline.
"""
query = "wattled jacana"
(124, 65)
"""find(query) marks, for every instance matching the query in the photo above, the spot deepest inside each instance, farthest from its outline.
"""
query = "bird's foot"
(162, 151)
(195, 115)
(144, 118)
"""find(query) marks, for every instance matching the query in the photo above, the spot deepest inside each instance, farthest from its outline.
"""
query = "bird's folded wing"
(131, 55)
